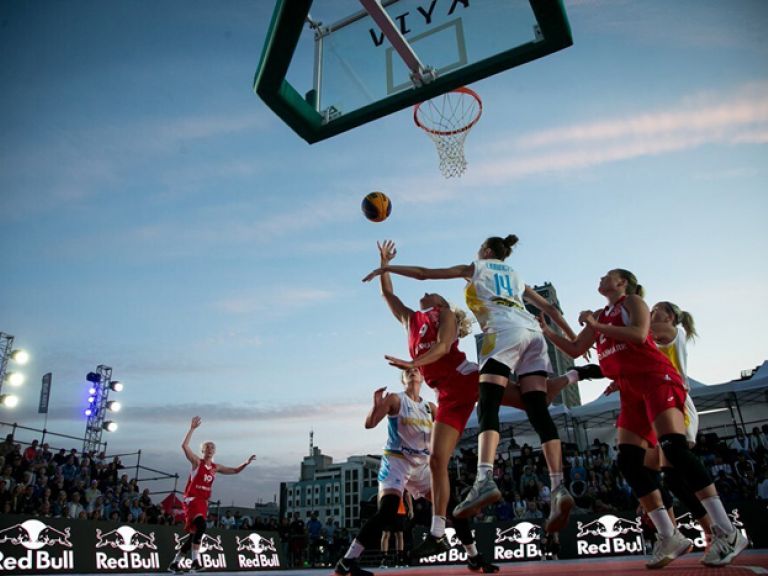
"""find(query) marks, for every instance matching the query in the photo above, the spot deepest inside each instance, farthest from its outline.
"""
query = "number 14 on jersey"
(503, 282)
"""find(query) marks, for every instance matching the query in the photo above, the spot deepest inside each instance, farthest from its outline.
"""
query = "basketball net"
(447, 120)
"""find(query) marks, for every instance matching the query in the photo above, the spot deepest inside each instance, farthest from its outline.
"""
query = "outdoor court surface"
(748, 563)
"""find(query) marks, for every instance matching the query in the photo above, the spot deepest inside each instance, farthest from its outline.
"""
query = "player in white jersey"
(512, 343)
(404, 465)
(672, 328)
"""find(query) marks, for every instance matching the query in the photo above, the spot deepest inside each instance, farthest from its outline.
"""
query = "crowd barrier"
(591, 536)
(54, 545)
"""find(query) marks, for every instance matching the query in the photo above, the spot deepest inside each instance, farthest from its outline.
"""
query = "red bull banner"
(615, 534)
(56, 545)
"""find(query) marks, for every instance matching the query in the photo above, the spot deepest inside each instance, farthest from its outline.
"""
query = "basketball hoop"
(447, 120)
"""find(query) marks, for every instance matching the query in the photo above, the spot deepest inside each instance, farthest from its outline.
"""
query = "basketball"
(377, 207)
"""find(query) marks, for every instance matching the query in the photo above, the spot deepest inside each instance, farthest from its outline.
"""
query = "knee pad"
(676, 483)
(488, 406)
(675, 447)
(385, 516)
(199, 524)
(630, 462)
(538, 415)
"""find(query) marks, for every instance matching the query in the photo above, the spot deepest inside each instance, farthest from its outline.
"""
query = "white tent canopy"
(749, 394)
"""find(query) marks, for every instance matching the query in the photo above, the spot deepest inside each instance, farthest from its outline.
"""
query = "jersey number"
(207, 478)
(504, 283)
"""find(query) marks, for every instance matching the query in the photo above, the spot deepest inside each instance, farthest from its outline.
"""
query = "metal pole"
(738, 410)
(138, 461)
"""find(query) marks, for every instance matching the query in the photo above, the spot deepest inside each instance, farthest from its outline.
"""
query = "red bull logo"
(519, 542)
(691, 528)
(255, 551)
(455, 554)
(211, 552)
(33, 545)
(609, 534)
(127, 549)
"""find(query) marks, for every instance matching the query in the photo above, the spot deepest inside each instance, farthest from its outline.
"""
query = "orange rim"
(462, 90)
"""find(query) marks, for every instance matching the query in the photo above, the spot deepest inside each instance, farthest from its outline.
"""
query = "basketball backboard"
(349, 69)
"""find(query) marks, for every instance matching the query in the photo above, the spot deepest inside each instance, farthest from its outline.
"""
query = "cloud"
(740, 117)
(224, 413)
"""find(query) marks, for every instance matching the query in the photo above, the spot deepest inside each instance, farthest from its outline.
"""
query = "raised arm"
(237, 469)
(191, 456)
(574, 347)
(383, 405)
(550, 310)
(421, 273)
(400, 311)
(639, 322)
(446, 336)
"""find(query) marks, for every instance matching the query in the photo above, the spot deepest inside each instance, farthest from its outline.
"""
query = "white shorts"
(691, 420)
(522, 350)
(402, 472)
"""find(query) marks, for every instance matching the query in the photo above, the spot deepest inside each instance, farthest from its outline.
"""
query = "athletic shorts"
(456, 396)
(643, 398)
(402, 472)
(691, 420)
(194, 507)
(523, 351)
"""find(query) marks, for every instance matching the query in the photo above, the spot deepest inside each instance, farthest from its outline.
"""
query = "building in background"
(333, 490)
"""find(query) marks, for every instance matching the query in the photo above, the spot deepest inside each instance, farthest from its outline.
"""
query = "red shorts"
(456, 398)
(193, 508)
(643, 398)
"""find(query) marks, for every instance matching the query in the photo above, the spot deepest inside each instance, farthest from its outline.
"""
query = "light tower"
(8, 354)
(100, 384)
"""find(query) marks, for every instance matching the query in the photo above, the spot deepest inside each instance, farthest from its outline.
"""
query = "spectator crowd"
(38, 481)
(737, 464)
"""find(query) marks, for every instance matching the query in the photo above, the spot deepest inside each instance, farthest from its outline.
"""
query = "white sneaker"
(725, 547)
(483, 492)
(560, 506)
(667, 549)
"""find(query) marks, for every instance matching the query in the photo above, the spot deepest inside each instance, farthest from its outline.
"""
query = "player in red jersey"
(197, 493)
(433, 335)
(652, 406)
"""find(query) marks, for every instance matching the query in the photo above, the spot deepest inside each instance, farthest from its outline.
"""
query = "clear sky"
(158, 218)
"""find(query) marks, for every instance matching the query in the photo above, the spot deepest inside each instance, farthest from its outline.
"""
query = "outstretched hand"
(372, 275)
(543, 324)
(251, 458)
(399, 363)
(196, 421)
(387, 251)
(587, 318)
(379, 396)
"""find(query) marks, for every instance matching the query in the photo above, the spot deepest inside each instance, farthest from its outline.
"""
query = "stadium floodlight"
(15, 378)
(9, 400)
(91, 391)
(94, 377)
(117, 386)
(88, 412)
(91, 399)
(109, 426)
(114, 406)
(21, 357)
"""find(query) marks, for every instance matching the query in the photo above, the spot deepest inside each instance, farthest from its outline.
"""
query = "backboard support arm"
(420, 74)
